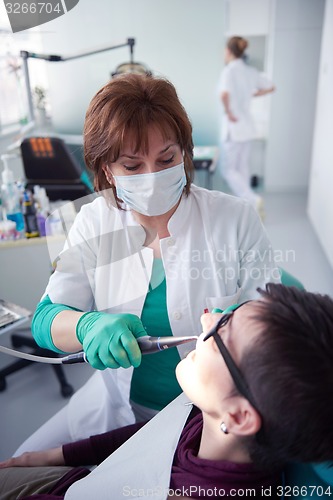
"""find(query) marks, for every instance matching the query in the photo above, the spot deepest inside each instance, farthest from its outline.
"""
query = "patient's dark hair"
(289, 369)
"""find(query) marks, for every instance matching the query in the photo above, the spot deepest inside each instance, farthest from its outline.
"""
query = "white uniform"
(240, 81)
(217, 254)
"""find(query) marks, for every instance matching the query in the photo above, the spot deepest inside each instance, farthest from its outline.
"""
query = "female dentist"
(239, 82)
(147, 256)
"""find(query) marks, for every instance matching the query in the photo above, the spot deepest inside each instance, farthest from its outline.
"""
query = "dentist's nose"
(150, 168)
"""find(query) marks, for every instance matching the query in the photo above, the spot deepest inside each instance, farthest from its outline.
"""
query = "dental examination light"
(147, 344)
(125, 67)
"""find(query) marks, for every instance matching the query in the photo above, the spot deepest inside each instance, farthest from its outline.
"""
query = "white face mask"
(154, 193)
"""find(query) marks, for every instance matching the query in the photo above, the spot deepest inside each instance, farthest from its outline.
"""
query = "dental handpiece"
(147, 344)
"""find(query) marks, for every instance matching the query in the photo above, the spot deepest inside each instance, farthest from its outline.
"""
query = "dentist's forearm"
(262, 92)
(63, 331)
(225, 98)
(226, 102)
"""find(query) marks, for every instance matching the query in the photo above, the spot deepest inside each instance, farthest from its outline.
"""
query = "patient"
(259, 380)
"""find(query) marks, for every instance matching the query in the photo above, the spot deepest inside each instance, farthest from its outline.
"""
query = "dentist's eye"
(131, 169)
(169, 160)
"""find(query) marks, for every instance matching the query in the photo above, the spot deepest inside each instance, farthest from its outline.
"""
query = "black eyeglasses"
(235, 372)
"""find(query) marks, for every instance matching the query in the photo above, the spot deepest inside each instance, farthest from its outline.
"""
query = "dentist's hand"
(109, 340)
(208, 320)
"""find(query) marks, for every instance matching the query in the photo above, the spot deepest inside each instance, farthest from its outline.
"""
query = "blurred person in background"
(239, 82)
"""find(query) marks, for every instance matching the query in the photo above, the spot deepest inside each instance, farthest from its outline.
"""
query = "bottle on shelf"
(10, 195)
(42, 205)
(30, 216)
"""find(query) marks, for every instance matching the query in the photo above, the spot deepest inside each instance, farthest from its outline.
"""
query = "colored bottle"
(30, 216)
(42, 208)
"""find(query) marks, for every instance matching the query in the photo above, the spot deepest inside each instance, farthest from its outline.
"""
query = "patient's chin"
(179, 371)
(183, 372)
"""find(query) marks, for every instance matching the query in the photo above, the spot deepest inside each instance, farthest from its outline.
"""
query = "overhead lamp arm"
(131, 42)
(56, 58)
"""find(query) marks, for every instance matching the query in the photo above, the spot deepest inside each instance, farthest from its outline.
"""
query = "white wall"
(320, 203)
(296, 35)
(248, 18)
(182, 40)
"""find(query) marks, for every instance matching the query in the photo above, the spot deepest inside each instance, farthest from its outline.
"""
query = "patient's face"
(203, 374)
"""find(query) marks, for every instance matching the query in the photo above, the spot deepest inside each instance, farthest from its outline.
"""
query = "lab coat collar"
(236, 62)
(179, 219)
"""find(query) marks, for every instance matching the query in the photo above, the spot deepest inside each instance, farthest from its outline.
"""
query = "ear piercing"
(223, 428)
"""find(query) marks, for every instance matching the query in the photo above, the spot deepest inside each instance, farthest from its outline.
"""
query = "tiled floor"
(33, 395)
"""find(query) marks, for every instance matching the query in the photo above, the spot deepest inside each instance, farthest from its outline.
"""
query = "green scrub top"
(154, 384)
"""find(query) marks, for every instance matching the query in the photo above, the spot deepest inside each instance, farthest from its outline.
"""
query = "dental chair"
(288, 279)
(313, 481)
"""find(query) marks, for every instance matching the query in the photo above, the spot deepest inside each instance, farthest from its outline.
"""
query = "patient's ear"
(242, 419)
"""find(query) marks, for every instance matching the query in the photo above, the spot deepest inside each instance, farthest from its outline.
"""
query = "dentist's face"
(203, 374)
(161, 154)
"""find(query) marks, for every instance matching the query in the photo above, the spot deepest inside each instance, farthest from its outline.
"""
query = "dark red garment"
(194, 477)
(199, 478)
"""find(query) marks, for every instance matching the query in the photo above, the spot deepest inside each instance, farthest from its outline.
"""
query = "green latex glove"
(227, 310)
(109, 339)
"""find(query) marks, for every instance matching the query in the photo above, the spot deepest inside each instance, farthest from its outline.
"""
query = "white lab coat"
(217, 254)
(240, 81)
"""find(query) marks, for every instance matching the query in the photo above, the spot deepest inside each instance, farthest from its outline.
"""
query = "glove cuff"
(85, 322)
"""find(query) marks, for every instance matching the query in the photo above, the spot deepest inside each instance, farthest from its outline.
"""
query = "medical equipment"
(148, 345)
(12, 316)
(49, 163)
(130, 67)
(205, 158)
